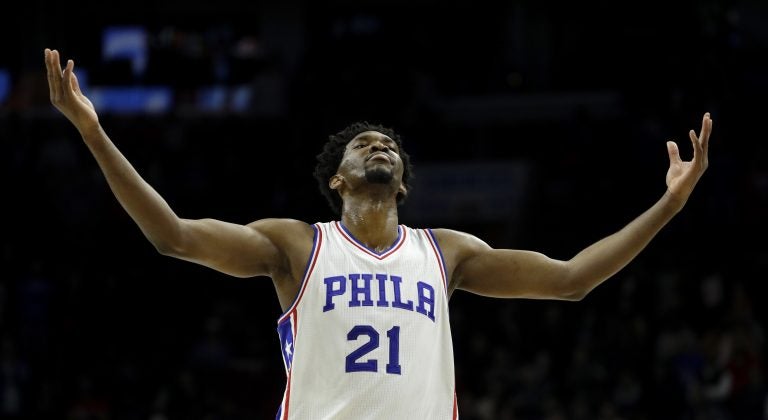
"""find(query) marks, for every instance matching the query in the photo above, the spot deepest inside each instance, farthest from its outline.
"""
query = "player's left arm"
(476, 267)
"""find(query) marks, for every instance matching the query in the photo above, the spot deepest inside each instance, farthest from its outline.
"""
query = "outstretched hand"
(682, 176)
(65, 92)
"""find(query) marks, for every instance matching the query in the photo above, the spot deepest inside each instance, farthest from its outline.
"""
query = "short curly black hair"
(329, 159)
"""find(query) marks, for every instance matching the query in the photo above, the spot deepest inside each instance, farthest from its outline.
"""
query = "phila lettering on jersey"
(368, 335)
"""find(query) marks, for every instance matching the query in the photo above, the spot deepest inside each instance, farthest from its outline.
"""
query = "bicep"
(512, 273)
(238, 250)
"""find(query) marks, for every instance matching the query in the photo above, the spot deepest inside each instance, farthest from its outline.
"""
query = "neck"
(373, 222)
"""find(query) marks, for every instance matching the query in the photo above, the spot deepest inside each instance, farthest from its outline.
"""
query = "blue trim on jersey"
(304, 276)
(442, 259)
(351, 236)
(285, 333)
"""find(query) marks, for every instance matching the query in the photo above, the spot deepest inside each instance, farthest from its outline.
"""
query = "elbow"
(577, 285)
(166, 248)
(567, 287)
(168, 243)
(574, 296)
(575, 291)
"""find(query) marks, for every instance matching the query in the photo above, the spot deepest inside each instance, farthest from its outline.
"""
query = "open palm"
(682, 176)
(65, 92)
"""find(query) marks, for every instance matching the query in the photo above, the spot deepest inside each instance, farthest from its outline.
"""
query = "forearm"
(603, 259)
(145, 206)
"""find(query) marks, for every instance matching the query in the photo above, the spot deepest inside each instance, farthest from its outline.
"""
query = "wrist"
(673, 202)
(91, 131)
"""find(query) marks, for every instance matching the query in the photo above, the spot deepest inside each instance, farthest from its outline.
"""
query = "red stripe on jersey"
(310, 267)
(358, 245)
(438, 255)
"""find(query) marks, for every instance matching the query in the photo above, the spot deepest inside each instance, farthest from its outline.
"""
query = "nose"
(378, 146)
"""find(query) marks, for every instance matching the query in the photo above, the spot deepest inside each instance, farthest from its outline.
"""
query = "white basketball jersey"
(368, 336)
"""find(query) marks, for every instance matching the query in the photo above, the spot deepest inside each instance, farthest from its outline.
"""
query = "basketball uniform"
(368, 335)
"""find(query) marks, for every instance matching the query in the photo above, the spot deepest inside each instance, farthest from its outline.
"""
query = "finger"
(49, 73)
(706, 131)
(696, 142)
(67, 77)
(674, 152)
(700, 141)
(55, 68)
(46, 59)
(76, 85)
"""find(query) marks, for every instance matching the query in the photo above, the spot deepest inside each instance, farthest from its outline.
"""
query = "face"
(373, 156)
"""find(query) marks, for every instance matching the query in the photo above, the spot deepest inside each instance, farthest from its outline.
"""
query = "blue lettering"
(398, 303)
(382, 278)
(330, 292)
(423, 289)
(361, 288)
(357, 289)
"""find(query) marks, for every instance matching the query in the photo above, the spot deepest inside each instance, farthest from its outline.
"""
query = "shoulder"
(283, 231)
(457, 248)
(458, 242)
(293, 241)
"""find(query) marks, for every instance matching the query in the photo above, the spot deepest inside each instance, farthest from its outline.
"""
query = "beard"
(378, 176)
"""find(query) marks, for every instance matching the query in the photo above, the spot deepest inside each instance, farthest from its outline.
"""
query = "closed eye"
(392, 145)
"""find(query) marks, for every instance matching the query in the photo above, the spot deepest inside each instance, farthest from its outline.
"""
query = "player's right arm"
(260, 248)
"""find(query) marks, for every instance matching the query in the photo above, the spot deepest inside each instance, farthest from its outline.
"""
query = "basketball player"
(365, 331)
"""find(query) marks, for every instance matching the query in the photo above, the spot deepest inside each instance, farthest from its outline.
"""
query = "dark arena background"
(533, 125)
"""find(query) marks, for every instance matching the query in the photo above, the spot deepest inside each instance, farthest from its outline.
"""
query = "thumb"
(673, 151)
(76, 84)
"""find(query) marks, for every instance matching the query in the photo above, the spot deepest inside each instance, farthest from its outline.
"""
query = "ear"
(335, 182)
(402, 190)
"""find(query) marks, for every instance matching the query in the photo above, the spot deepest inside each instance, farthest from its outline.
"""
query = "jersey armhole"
(317, 241)
(439, 256)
